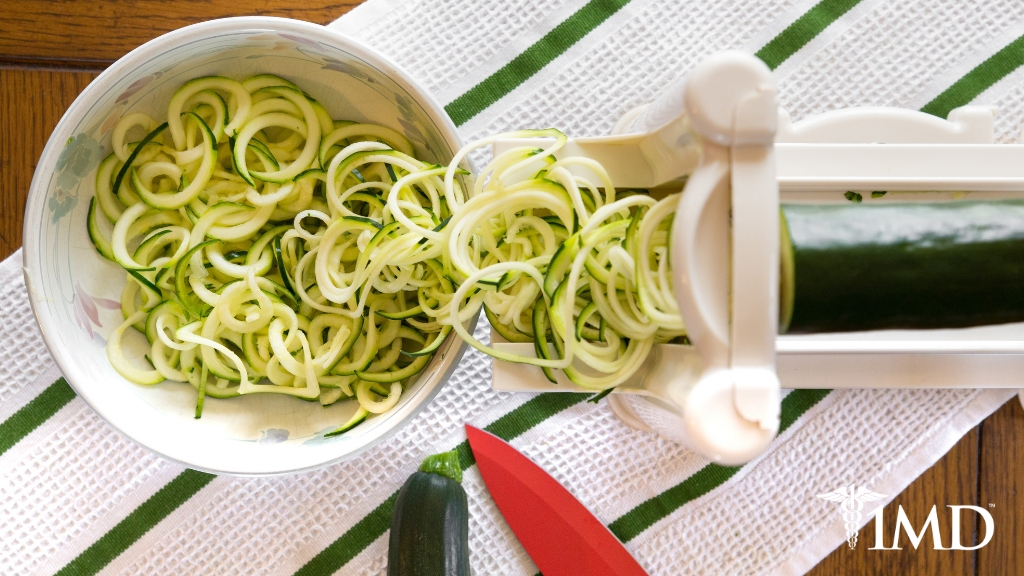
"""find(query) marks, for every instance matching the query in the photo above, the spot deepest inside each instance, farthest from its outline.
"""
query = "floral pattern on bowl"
(87, 311)
(80, 156)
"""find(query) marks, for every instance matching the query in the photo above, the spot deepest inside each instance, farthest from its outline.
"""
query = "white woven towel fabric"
(72, 490)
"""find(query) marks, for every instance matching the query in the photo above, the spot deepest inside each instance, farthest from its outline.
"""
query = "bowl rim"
(77, 378)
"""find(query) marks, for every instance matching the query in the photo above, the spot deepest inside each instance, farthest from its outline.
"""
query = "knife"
(561, 536)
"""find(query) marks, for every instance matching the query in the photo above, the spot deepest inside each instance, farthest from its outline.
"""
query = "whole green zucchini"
(430, 522)
(851, 267)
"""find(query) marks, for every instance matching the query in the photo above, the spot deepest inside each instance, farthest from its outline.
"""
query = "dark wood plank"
(31, 104)
(952, 480)
(1002, 490)
(95, 33)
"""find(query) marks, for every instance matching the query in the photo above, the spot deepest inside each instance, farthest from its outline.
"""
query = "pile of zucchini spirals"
(269, 248)
(573, 266)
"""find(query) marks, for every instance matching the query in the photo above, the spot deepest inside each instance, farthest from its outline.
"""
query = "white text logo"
(932, 523)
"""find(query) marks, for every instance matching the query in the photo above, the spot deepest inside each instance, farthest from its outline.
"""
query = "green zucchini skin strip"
(905, 266)
(509, 333)
(409, 313)
(539, 322)
(135, 153)
(412, 369)
(600, 395)
(161, 308)
(279, 260)
(144, 282)
(101, 243)
(432, 347)
(355, 420)
(202, 392)
(179, 278)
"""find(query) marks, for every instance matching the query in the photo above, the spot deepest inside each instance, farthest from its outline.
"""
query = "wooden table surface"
(51, 49)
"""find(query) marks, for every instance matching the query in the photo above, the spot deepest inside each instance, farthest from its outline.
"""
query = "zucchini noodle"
(268, 248)
(561, 262)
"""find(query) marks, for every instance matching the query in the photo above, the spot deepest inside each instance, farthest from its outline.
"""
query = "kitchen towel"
(78, 498)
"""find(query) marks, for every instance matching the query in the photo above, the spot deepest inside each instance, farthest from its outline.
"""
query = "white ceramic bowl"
(75, 292)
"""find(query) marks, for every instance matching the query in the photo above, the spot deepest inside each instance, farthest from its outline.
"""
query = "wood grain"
(1001, 490)
(953, 480)
(31, 104)
(95, 33)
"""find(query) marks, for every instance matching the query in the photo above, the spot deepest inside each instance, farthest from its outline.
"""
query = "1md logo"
(854, 497)
(932, 523)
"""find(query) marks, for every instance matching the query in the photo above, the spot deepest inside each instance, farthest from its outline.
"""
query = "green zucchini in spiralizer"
(251, 268)
(850, 267)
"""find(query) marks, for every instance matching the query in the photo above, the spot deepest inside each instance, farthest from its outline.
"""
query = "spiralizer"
(721, 132)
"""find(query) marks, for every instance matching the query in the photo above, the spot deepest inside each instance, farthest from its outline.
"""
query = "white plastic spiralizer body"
(721, 130)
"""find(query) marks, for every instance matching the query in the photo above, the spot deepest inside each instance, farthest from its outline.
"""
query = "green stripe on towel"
(37, 411)
(805, 29)
(633, 523)
(540, 54)
(136, 524)
(978, 80)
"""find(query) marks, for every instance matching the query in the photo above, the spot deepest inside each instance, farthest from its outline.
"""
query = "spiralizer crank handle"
(726, 276)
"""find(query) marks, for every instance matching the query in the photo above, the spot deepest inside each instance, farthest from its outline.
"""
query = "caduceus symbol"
(852, 499)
